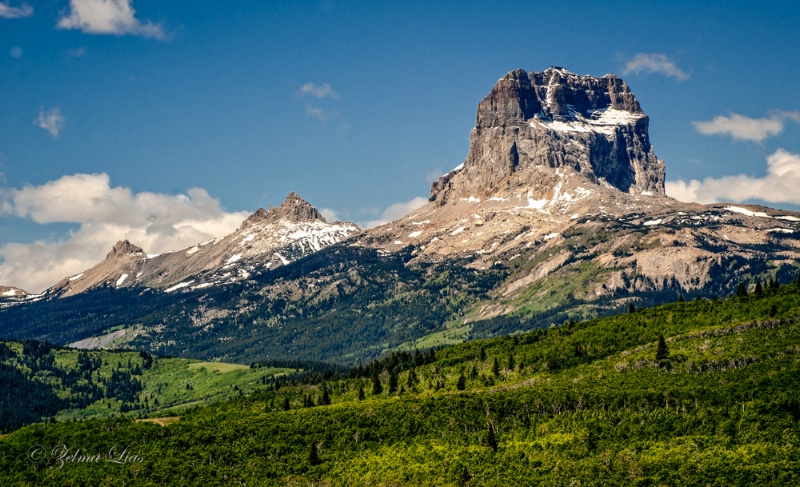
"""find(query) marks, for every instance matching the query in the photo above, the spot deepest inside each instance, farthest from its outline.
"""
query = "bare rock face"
(532, 124)
(293, 209)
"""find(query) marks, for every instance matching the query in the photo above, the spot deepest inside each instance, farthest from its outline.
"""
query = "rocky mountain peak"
(293, 209)
(531, 125)
(124, 247)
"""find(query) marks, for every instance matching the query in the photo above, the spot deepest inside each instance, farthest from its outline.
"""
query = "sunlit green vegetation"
(589, 403)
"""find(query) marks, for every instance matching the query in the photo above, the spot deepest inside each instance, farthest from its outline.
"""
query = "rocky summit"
(532, 123)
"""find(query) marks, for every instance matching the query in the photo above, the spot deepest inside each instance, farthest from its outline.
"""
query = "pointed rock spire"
(124, 247)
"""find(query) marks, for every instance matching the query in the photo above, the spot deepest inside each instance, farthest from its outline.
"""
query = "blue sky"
(167, 121)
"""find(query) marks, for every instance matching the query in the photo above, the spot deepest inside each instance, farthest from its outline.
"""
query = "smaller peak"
(124, 247)
(294, 209)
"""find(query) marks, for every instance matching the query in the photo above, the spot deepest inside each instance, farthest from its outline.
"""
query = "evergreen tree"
(377, 388)
(461, 383)
(313, 455)
(491, 440)
(411, 379)
(325, 399)
(662, 351)
(631, 308)
(759, 290)
(496, 368)
(511, 363)
(392, 381)
(361, 393)
(286, 405)
(741, 291)
(482, 354)
(463, 476)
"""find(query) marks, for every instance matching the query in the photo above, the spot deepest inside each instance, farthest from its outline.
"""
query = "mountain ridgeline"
(557, 213)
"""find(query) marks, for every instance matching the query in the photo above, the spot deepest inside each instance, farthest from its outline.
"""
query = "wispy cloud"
(115, 17)
(318, 91)
(9, 12)
(76, 53)
(396, 211)
(741, 127)
(51, 120)
(654, 63)
(779, 185)
(317, 112)
(105, 214)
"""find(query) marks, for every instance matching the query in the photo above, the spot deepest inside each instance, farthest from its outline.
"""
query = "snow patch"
(471, 199)
(788, 218)
(193, 250)
(603, 121)
(234, 258)
(457, 231)
(414, 234)
(550, 236)
(178, 286)
(121, 280)
(652, 222)
(781, 230)
(745, 211)
(575, 216)
(78, 276)
(10, 292)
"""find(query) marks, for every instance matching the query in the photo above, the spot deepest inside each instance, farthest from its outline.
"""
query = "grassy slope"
(164, 384)
(584, 404)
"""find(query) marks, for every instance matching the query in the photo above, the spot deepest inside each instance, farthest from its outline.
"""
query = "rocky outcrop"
(124, 247)
(531, 124)
(293, 209)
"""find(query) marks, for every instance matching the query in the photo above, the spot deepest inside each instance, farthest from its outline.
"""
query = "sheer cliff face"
(531, 124)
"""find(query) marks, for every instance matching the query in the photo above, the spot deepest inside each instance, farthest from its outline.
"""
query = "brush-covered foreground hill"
(603, 402)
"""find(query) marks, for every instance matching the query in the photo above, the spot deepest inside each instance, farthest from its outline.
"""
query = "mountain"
(561, 185)
(557, 213)
(265, 240)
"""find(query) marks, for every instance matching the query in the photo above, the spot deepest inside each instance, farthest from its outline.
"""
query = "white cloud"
(329, 214)
(746, 128)
(114, 17)
(317, 112)
(105, 214)
(318, 91)
(9, 12)
(779, 185)
(396, 211)
(50, 120)
(654, 63)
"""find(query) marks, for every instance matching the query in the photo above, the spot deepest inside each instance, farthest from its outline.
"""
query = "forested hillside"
(702, 392)
(43, 382)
